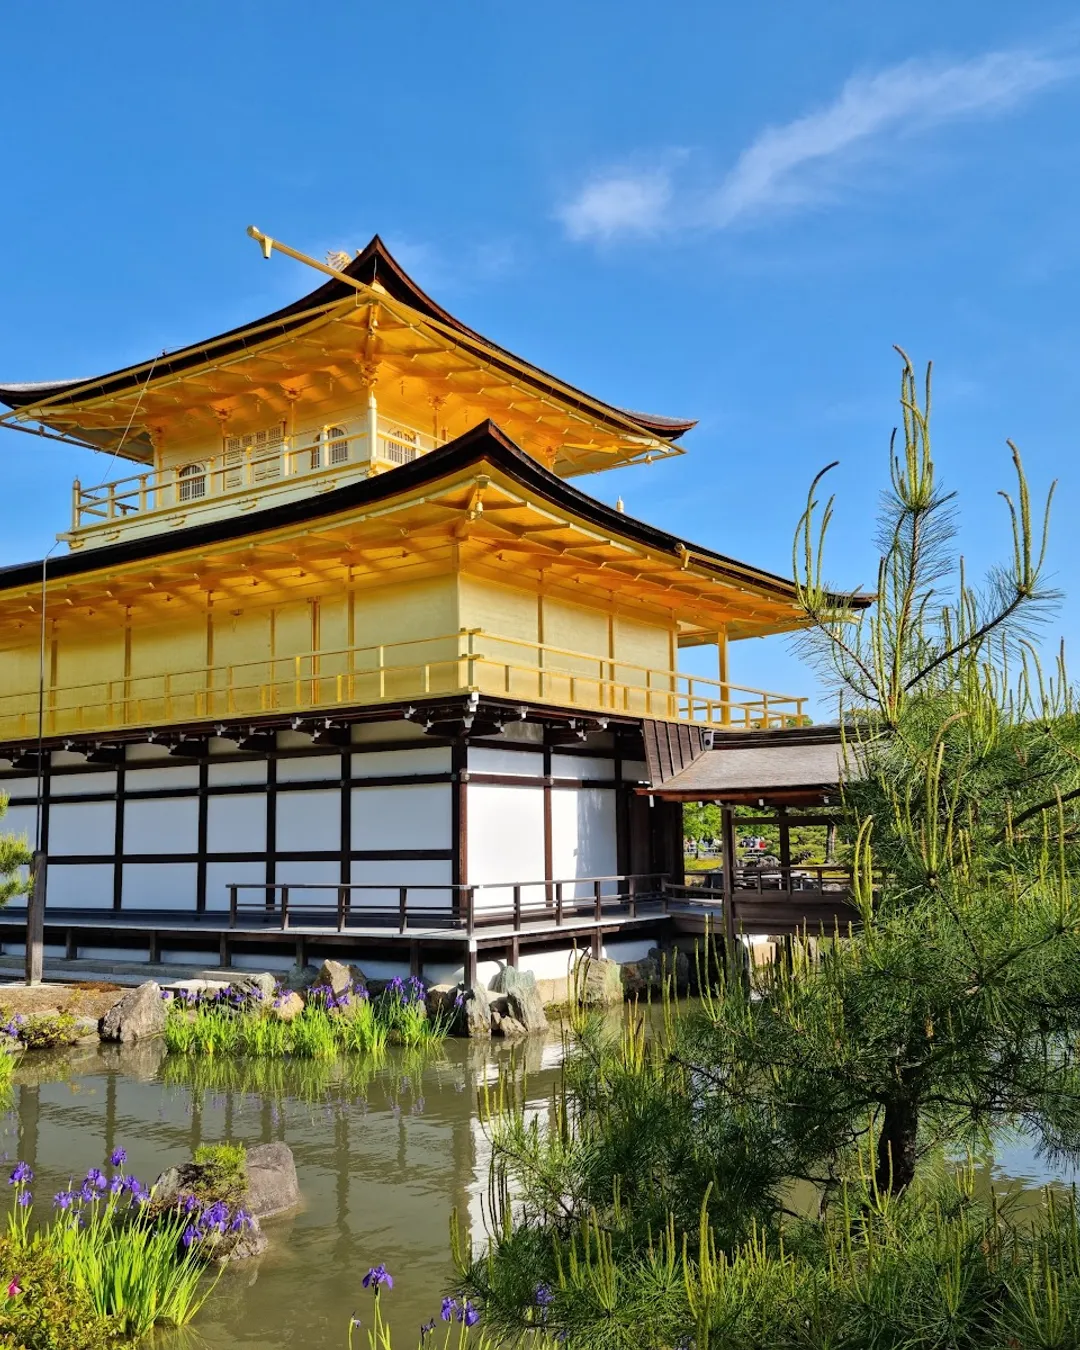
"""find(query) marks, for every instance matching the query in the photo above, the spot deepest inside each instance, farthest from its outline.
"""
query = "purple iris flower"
(378, 1276)
(469, 1314)
(544, 1296)
(449, 1308)
(87, 1194)
(116, 1186)
(24, 1198)
(20, 1174)
(96, 1178)
(190, 1235)
(132, 1184)
(427, 1329)
(62, 1200)
(118, 1157)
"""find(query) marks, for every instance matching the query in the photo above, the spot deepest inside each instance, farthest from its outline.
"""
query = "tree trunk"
(896, 1146)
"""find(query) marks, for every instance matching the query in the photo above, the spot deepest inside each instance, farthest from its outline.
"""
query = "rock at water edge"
(138, 1016)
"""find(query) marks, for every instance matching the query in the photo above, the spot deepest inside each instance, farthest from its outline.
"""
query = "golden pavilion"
(344, 657)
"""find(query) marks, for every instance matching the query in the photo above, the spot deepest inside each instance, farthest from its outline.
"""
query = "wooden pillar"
(35, 921)
(727, 838)
(785, 846)
(722, 671)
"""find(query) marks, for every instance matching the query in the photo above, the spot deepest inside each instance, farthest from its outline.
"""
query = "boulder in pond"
(139, 1015)
(674, 965)
(335, 976)
(286, 1005)
(640, 978)
(597, 983)
(272, 1186)
(503, 1021)
(467, 1012)
(259, 988)
(525, 1004)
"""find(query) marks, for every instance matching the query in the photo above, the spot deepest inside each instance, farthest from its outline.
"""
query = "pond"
(384, 1156)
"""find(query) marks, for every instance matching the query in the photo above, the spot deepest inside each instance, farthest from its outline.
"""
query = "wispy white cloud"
(802, 162)
(619, 201)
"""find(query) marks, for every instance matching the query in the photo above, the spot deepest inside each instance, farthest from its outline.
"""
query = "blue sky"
(728, 212)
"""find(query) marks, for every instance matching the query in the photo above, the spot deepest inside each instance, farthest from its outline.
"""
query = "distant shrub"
(41, 1031)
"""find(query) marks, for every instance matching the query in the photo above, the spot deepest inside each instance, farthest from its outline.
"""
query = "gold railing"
(307, 454)
(466, 661)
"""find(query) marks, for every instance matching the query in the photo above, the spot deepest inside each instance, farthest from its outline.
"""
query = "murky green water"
(384, 1155)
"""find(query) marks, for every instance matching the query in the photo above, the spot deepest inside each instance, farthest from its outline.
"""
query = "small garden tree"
(14, 855)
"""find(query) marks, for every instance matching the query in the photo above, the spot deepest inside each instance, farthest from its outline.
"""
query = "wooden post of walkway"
(727, 840)
(35, 921)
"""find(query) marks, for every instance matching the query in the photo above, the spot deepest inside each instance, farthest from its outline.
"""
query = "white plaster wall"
(581, 766)
(20, 820)
(240, 772)
(628, 949)
(155, 780)
(82, 827)
(583, 835)
(79, 885)
(401, 873)
(324, 872)
(64, 785)
(309, 769)
(18, 789)
(129, 954)
(164, 825)
(387, 763)
(486, 759)
(506, 842)
(417, 816)
(218, 876)
(309, 822)
(236, 824)
(159, 886)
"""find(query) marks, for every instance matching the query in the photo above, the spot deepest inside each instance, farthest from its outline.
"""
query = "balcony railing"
(463, 662)
(312, 453)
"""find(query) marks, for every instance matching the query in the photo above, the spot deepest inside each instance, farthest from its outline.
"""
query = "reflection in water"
(384, 1151)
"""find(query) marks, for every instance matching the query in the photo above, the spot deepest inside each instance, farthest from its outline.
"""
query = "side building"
(347, 663)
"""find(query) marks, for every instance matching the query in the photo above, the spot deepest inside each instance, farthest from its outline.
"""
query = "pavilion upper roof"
(334, 343)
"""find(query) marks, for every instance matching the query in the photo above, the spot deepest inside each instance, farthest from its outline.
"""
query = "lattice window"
(330, 447)
(191, 482)
(399, 445)
(261, 448)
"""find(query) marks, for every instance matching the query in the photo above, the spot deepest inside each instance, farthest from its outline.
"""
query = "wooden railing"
(422, 909)
(463, 662)
(313, 452)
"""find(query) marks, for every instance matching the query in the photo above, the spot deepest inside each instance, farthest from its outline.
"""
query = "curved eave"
(485, 444)
(375, 264)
